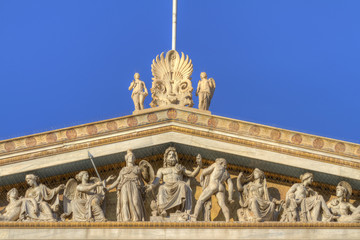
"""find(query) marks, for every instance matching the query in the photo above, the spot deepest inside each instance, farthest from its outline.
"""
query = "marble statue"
(212, 180)
(131, 189)
(304, 204)
(171, 80)
(340, 206)
(255, 202)
(139, 92)
(85, 200)
(12, 211)
(205, 90)
(36, 206)
(174, 194)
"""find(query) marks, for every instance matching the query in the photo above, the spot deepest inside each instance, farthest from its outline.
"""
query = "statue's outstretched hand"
(112, 177)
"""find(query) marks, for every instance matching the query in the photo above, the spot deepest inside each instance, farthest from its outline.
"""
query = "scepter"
(92, 161)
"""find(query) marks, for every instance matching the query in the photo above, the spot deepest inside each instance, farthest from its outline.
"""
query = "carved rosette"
(171, 80)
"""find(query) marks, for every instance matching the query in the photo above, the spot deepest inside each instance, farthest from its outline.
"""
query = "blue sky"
(288, 64)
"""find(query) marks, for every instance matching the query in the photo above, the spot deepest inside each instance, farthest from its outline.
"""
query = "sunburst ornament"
(171, 80)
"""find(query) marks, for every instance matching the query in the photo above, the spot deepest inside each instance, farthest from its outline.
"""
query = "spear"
(92, 161)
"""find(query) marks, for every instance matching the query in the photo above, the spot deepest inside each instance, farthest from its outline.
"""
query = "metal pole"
(174, 25)
(92, 161)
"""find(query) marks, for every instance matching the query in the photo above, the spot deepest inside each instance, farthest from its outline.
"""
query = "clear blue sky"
(288, 64)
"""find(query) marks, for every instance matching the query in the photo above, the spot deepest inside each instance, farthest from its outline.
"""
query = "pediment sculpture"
(172, 197)
(85, 200)
(131, 189)
(255, 202)
(303, 204)
(174, 194)
(341, 207)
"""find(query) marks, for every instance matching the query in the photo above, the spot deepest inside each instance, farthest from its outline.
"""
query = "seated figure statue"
(84, 200)
(304, 204)
(36, 206)
(255, 203)
(340, 206)
(174, 194)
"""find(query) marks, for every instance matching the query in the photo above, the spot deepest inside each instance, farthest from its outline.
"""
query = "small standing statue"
(340, 206)
(175, 194)
(213, 183)
(131, 189)
(85, 200)
(205, 90)
(12, 211)
(304, 204)
(40, 194)
(255, 203)
(139, 92)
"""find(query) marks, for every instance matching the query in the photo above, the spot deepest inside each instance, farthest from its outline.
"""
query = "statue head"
(136, 75)
(258, 174)
(129, 157)
(344, 190)
(170, 157)
(81, 175)
(32, 180)
(203, 75)
(221, 161)
(12, 193)
(307, 178)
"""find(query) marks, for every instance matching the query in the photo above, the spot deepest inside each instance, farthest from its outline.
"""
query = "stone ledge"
(171, 233)
(197, 225)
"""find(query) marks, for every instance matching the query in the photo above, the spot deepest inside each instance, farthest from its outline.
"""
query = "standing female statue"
(139, 92)
(340, 206)
(40, 194)
(85, 200)
(130, 190)
(255, 203)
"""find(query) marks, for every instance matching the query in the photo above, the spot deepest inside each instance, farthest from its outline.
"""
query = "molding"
(165, 129)
(184, 115)
(198, 225)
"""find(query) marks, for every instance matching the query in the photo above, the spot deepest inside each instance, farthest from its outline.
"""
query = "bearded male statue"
(175, 194)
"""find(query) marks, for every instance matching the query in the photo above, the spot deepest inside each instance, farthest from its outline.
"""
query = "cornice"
(210, 126)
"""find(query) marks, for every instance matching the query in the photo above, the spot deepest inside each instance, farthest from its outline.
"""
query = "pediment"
(283, 155)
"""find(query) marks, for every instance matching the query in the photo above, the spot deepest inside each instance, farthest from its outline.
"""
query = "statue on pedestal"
(212, 180)
(35, 207)
(205, 90)
(255, 202)
(85, 200)
(175, 194)
(304, 204)
(131, 189)
(139, 92)
(340, 206)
